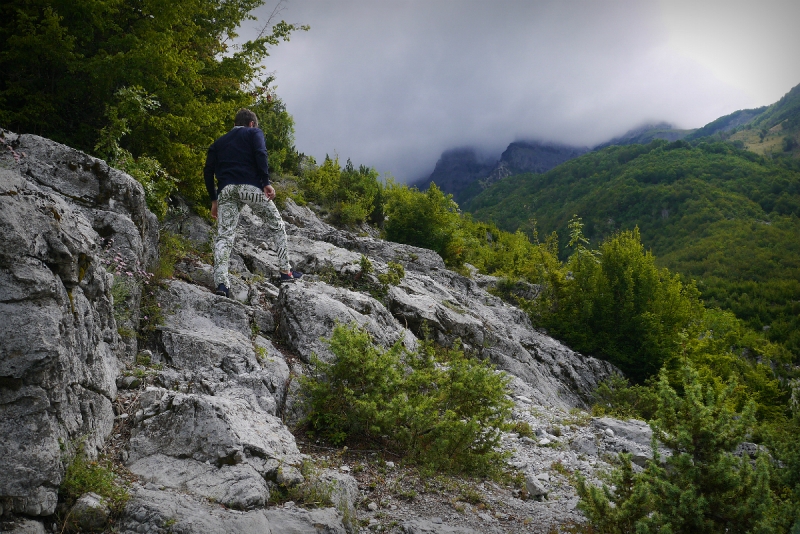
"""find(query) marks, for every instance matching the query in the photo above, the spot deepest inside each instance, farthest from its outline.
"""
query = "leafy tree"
(353, 196)
(428, 220)
(617, 304)
(725, 217)
(71, 68)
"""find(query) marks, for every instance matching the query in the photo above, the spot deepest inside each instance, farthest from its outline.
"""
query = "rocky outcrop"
(61, 213)
(205, 435)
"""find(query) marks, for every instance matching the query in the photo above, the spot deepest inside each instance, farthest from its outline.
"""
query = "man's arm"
(208, 173)
(262, 161)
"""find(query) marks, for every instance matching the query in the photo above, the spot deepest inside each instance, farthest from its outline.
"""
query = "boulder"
(214, 429)
(89, 513)
(237, 486)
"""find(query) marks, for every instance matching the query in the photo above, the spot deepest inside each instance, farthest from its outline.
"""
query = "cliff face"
(201, 417)
(60, 353)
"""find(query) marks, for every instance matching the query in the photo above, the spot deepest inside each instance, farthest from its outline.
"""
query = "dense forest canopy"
(718, 214)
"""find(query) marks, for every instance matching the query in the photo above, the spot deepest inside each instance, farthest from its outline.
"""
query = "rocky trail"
(200, 417)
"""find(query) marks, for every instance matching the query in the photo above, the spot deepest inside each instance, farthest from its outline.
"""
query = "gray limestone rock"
(89, 512)
(632, 436)
(24, 526)
(344, 494)
(214, 429)
(423, 526)
(534, 486)
(632, 430)
(61, 212)
(411, 258)
(310, 310)
(454, 307)
(584, 445)
(237, 486)
(153, 510)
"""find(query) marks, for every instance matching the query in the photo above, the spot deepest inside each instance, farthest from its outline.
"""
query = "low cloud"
(393, 84)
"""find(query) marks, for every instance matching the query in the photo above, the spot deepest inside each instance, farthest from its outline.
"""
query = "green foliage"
(618, 398)
(365, 265)
(725, 217)
(428, 220)
(353, 196)
(702, 486)
(313, 492)
(133, 104)
(157, 80)
(395, 272)
(83, 476)
(440, 409)
(617, 304)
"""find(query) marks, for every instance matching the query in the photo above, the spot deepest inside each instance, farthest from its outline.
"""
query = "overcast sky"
(391, 84)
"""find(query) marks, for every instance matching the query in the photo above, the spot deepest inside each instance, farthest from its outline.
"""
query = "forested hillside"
(721, 215)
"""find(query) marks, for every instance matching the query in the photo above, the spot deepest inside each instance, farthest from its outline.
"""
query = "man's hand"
(214, 208)
(269, 192)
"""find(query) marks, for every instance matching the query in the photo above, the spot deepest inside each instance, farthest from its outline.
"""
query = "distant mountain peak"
(462, 173)
(646, 133)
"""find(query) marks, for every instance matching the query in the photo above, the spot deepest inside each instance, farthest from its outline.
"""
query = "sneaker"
(223, 291)
(296, 275)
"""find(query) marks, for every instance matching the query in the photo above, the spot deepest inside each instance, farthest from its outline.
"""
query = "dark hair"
(244, 117)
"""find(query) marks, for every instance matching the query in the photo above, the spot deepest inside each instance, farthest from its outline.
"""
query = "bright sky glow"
(392, 84)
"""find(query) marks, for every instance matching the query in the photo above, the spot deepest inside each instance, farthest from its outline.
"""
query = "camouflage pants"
(229, 203)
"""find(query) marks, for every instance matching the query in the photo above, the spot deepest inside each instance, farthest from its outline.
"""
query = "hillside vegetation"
(724, 216)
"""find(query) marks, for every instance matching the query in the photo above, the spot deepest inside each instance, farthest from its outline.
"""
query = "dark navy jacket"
(238, 157)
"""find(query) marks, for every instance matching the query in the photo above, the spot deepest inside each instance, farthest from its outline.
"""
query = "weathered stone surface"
(235, 486)
(453, 306)
(632, 430)
(24, 526)
(344, 494)
(60, 211)
(218, 430)
(534, 486)
(89, 512)
(162, 510)
(631, 436)
(423, 526)
(201, 328)
(310, 310)
(411, 258)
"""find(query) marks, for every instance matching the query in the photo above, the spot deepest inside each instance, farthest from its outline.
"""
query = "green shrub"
(428, 220)
(440, 409)
(353, 196)
(84, 476)
(616, 304)
(702, 486)
(616, 397)
(393, 275)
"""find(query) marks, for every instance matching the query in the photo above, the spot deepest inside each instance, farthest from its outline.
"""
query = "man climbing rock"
(238, 159)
